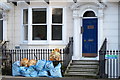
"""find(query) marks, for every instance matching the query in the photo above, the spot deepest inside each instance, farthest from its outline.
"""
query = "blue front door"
(90, 37)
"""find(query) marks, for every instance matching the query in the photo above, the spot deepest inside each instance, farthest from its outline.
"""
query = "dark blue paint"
(90, 34)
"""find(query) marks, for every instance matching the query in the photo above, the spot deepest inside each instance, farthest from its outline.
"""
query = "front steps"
(83, 69)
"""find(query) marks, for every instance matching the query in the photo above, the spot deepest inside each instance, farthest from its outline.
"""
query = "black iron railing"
(4, 57)
(18, 55)
(3, 46)
(37, 54)
(68, 52)
(102, 53)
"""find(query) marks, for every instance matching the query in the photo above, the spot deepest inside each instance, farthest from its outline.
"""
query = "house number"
(90, 27)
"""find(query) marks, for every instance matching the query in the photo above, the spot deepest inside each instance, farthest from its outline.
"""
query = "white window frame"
(2, 25)
(22, 28)
(4, 19)
(63, 27)
(49, 28)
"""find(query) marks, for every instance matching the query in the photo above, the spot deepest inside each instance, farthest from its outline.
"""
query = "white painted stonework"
(4, 9)
(108, 27)
(78, 11)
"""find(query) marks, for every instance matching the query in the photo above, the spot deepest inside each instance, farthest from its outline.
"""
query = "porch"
(108, 66)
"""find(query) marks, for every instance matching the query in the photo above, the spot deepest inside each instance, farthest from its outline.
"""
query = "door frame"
(78, 11)
(89, 58)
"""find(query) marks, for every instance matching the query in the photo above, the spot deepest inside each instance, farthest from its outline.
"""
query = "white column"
(29, 25)
(76, 35)
(100, 28)
(5, 26)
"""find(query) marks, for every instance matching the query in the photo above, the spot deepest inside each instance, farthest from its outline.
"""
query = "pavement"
(46, 78)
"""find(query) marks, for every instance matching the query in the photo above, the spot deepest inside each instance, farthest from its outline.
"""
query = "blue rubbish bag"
(24, 71)
(32, 71)
(34, 74)
(16, 69)
(40, 65)
(56, 72)
(43, 73)
(28, 71)
(49, 65)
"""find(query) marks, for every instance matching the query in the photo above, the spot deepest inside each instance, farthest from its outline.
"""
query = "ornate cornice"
(4, 6)
(76, 6)
(101, 5)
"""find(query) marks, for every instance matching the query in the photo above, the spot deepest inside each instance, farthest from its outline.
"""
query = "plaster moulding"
(4, 8)
(98, 4)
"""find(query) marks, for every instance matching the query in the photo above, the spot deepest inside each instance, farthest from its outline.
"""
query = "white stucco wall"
(14, 32)
(15, 25)
(111, 25)
(119, 26)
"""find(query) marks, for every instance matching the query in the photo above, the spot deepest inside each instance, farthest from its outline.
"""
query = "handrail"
(104, 46)
(68, 52)
(102, 53)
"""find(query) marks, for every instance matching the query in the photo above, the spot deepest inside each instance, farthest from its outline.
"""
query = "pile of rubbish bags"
(43, 68)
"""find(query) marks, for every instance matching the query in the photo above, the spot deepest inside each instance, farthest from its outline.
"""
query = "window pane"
(57, 15)
(25, 16)
(57, 32)
(1, 16)
(25, 32)
(89, 14)
(39, 32)
(39, 15)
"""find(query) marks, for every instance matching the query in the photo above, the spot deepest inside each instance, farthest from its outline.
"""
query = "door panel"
(90, 37)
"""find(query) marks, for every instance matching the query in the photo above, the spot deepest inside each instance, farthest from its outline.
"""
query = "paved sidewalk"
(46, 78)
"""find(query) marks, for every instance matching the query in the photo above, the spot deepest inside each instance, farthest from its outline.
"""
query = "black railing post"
(102, 53)
(10, 51)
(68, 52)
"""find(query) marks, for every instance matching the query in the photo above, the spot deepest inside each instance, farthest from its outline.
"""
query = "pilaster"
(76, 35)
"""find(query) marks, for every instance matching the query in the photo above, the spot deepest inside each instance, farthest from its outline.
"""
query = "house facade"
(41, 24)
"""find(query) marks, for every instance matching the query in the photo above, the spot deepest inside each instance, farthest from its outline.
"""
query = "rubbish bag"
(32, 71)
(24, 71)
(34, 74)
(16, 69)
(28, 71)
(56, 72)
(49, 65)
(40, 65)
(43, 73)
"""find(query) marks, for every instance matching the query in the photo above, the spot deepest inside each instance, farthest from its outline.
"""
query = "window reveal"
(25, 23)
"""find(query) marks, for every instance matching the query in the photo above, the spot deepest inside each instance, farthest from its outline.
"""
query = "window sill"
(44, 43)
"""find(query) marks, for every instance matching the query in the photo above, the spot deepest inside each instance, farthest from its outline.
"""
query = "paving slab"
(47, 78)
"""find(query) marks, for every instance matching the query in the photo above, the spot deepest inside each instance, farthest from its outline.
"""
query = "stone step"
(82, 70)
(86, 62)
(84, 66)
(80, 74)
